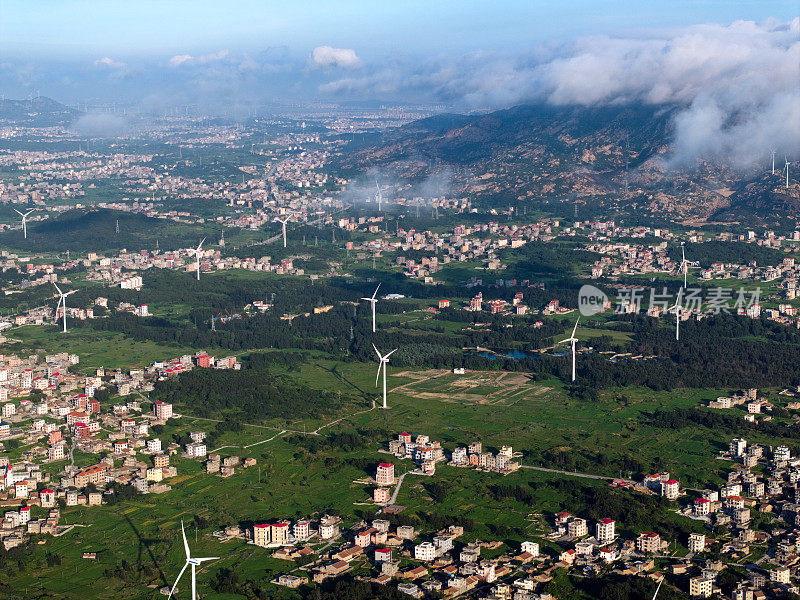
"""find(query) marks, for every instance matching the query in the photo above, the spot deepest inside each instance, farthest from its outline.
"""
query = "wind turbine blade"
(205, 559)
(378, 376)
(177, 579)
(185, 543)
(200, 244)
(367, 299)
(376, 291)
(658, 588)
(390, 353)
(574, 329)
(58, 288)
(19, 213)
(376, 351)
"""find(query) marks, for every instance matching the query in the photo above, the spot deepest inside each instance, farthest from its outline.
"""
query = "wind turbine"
(195, 562)
(25, 218)
(773, 162)
(283, 227)
(572, 339)
(677, 308)
(62, 302)
(197, 253)
(383, 364)
(373, 301)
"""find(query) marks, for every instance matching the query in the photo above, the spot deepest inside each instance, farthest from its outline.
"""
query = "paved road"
(397, 488)
(573, 474)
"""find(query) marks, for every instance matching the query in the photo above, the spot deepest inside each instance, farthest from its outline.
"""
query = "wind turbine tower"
(773, 162)
(383, 364)
(684, 264)
(197, 252)
(283, 227)
(25, 220)
(373, 301)
(677, 308)
(195, 562)
(787, 172)
(572, 340)
(62, 302)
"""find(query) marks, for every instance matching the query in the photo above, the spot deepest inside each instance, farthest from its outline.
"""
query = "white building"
(425, 551)
(605, 530)
(697, 542)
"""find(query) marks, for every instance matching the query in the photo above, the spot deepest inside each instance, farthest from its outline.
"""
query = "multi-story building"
(162, 410)
(279, 533)
(701, 587)
(302, 530)
(577, 527)
(697, 542)
(670, 489)
(425, 551)
(648, 542)
(604, 530)
(385, 474)
(261, 534)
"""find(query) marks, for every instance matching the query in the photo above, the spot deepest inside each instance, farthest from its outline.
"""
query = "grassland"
(95, 348)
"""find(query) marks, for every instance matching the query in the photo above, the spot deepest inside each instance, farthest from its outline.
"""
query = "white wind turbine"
(572, 340)
(283, 227)
(189, 561)
(197, 252)
(373, 301)
(383, 364)
(773, 162)
(677, 309)
(25, 220)
(62, 302)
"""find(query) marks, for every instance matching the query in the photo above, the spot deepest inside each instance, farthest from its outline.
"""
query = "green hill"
(84, 230)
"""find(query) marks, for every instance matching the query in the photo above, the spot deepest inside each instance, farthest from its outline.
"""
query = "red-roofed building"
(204, 360)
(702, 506)
(670, 489)
(77, 417)
(604, 530)
(385, 474)
(648, 542)
(261, 536)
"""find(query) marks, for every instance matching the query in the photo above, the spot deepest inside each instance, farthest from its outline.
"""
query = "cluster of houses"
(51, 413)
(426, 453)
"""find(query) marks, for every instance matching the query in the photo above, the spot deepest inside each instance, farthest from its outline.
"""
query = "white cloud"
(737, 84)
(326, 56)
(109, 62)
(179, 59)
(188, 59)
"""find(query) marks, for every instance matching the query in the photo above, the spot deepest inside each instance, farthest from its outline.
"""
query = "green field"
(95, 348)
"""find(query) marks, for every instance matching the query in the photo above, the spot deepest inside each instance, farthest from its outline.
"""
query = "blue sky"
(65, 29)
